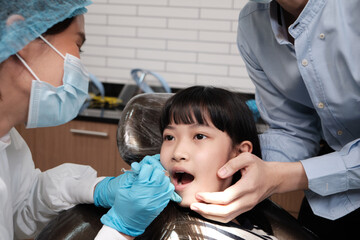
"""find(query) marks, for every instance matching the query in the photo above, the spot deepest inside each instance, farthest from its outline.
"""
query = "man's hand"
(259, 180)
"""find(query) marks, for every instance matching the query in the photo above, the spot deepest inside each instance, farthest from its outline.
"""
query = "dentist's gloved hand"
(155, 162)
(105, 191)
(136, 207)
(152, 160)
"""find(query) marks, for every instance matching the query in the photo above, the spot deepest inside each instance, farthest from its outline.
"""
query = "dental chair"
(138, 135)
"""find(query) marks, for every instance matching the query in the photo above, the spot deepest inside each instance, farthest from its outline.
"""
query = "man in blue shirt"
(304, 59)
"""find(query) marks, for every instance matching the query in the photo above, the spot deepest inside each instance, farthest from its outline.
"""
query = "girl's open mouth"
(181, 180)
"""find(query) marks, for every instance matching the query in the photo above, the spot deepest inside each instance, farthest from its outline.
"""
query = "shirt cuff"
(108, 233)
(326, 174)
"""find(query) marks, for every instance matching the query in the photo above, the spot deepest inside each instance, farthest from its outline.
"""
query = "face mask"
(260, 1)
(53, 106)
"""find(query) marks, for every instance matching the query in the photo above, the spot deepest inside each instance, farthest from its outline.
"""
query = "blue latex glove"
(155, 162)
(136, 207)
(151, 160)
(105, 191)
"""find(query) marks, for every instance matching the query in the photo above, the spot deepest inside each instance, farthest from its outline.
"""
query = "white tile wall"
(188, 42)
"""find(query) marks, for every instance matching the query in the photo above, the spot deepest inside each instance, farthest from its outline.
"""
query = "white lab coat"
(29, 198)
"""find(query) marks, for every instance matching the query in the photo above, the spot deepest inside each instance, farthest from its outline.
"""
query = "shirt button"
(322, 36)
(320, 105)
(339, 132)
(304, 62)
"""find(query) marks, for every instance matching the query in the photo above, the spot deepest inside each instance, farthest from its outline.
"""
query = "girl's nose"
(178, 157)
(180, 153)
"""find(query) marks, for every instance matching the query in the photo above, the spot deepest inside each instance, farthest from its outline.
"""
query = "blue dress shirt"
(309, 91)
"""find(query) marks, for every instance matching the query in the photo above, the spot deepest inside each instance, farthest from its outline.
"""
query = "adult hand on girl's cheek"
(259, 180)
(254, 186)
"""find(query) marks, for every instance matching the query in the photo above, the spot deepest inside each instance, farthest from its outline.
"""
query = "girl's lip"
(177, 169)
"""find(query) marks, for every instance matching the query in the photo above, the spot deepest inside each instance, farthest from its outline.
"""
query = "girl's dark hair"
(229, 113)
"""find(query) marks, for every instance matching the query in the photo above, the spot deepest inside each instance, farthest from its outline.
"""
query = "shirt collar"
(5, 141)
(306, 16)
(277, 20)
(14, 138)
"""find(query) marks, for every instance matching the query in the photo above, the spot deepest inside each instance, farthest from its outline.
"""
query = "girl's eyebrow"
(199, 125)
(169, 127)
(194, 125)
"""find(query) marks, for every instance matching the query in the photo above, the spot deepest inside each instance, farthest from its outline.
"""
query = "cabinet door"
(290, 201)
(81, 142)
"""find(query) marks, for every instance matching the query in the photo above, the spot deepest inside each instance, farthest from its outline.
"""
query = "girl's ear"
(244, 146)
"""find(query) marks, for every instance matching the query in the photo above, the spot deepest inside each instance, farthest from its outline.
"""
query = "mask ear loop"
(28, 67)
(50, 45)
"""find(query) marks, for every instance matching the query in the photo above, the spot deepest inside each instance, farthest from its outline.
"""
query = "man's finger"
(227, 196)
(220, 213)
(234, 165)
(226, 212)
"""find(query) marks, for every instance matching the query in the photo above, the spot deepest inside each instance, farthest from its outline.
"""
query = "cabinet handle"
(87, 132)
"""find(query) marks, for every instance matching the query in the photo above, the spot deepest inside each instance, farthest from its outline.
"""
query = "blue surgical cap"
(32, 18)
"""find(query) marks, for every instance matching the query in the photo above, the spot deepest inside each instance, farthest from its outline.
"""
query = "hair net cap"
(22, 21)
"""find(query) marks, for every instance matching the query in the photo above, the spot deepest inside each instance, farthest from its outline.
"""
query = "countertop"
(105, 113)
(97, 115)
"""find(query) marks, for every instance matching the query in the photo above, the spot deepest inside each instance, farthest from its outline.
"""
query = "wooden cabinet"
(291, 201)
(82, 142)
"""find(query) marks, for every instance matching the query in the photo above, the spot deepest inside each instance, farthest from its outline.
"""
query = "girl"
(202, 128)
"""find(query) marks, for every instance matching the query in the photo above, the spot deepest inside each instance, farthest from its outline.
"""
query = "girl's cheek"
(163, 163)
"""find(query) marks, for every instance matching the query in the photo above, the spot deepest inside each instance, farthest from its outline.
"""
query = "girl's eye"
(200, 136)
(168, 138)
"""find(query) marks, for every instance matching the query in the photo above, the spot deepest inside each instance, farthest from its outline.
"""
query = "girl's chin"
(185, 205)
(187, 202)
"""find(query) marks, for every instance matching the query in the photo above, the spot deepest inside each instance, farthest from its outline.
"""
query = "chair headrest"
(138, 131)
